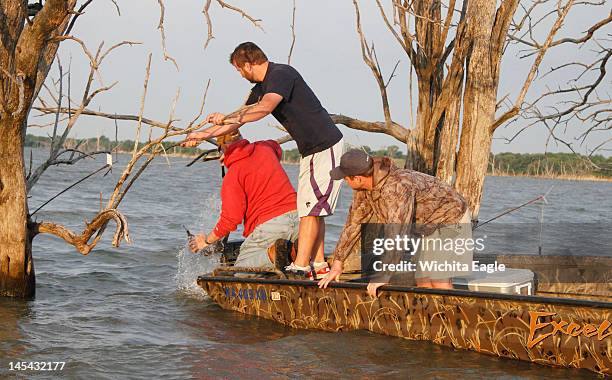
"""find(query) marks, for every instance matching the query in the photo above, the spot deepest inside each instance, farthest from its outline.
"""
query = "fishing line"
(109, 165)
(541, 224)
(541, 197)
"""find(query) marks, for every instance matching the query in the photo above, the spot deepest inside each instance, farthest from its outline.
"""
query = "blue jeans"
(254, 250)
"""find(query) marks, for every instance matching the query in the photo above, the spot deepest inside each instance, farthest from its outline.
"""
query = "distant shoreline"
(564, 177)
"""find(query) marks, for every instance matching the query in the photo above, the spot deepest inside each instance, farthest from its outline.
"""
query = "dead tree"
(26, 55)
(455, 49)
(27, 52)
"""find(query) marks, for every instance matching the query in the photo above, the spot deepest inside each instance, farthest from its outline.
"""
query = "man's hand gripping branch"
(224, 124)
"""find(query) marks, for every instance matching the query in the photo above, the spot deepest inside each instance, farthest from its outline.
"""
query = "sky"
(327, 54)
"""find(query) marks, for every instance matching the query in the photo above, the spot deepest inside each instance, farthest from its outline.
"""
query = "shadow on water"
(12, 343)
(312, 354)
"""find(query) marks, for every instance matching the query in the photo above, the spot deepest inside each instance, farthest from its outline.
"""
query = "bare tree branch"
(392, 75)
(142, 104)
(144, 120)
(209, 26)
(369, 57)
(405, 40)
(81, 242)
(160, 26)
(588, 35)
(115, 46)
(583, 109)
(78, 13)
(393, 129)
(223, 4)
(201, 105)
(254, 21)
(57, 144)
(116, 7)
(59, 105)
(292, 35)
(284, 139)
(152, 147)
(534, 68)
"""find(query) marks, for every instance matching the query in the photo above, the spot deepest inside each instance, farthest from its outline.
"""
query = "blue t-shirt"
(300, 112)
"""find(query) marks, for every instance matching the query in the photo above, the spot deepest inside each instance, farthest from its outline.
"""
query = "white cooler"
(510, 281)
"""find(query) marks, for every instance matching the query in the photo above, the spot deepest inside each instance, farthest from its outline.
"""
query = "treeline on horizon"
(103, 143)
(531, 164)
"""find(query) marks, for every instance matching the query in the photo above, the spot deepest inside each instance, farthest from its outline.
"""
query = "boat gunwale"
(417, 290)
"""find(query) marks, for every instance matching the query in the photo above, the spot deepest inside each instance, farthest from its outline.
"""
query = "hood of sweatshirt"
(238, 151)
(243, 149)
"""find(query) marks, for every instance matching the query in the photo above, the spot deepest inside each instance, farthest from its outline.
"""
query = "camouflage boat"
(565, 324)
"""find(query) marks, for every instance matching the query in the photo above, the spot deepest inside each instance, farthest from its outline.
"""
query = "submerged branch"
(81, 242)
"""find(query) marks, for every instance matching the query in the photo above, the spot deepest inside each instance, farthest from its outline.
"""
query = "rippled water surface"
(135, 311)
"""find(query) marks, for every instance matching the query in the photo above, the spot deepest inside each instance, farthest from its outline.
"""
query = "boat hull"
(549, 331)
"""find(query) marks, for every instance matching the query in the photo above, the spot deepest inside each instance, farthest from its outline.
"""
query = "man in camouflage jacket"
(386, 194)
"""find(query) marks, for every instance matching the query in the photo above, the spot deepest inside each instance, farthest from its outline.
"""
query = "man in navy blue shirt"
(281, 91)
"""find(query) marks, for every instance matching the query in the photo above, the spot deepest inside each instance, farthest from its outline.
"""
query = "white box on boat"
(509, 281)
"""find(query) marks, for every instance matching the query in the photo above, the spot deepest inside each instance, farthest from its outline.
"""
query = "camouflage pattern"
(578, 277)
(494, 324)
(425, 201)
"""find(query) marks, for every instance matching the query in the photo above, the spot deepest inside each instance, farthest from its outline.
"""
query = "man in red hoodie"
(256, 192)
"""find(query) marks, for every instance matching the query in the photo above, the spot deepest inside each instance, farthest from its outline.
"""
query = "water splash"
(189, 265)
(211, 208)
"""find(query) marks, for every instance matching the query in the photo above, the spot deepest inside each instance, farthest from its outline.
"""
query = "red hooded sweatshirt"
(255, 188)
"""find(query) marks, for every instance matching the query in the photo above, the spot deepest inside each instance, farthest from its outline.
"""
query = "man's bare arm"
(263, 108)
(214, 131)
(258, 111)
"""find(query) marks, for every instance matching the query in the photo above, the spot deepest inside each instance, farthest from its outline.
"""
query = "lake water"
(135, 311)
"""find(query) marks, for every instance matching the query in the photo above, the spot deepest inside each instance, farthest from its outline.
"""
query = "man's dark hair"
(247, 52)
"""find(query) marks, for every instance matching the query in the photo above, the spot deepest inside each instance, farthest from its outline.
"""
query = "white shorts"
(317, 193)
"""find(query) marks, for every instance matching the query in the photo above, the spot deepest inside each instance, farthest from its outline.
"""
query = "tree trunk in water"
(17, 277)
(479, 102)
(27, 52)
